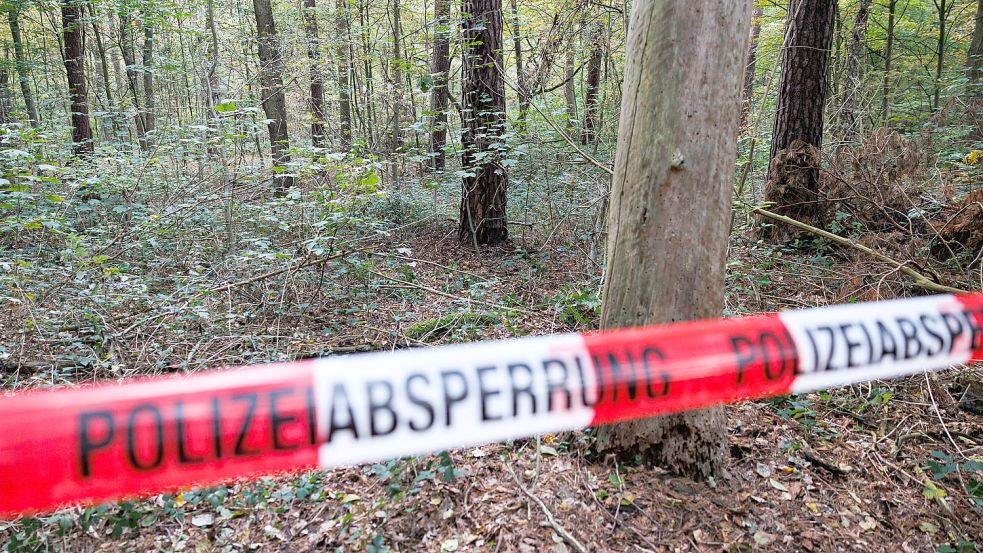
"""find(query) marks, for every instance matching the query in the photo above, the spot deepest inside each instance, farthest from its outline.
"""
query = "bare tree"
(271, 88)
(23, 65)
(671, 199)
(439, 69)
(72, 26)
(316, 88)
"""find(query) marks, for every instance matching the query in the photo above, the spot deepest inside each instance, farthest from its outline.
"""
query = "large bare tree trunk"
(342, 21)
(483, 198)
(439, 69)
(792, 184)
(316, 80)
(23, 68)
(751, 64)
(671, 199)
(74, 43)
(271, 89)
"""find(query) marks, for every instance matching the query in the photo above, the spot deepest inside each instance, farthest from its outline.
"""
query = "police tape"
(98, 443)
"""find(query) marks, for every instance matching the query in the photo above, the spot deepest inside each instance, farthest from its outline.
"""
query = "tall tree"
(316, 88)
(974, 73)
(483, 196)
(520, 70)
(942, 9)
(892, 6)
(149, 100)
(792, 183)
(852, 74)
(671, 198)
(440, 66)
(74, 55)
(344, 61)
(751, 63)
(128, 49)
(271, 88)
(588, 133)
(570, 87)
(23, 65)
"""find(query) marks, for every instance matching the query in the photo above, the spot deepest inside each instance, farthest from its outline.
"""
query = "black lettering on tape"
(251, 399)
(912, 345)
(975, 330)
(955, 327)
(339, 399)
(888, 344)
(420, 402)
(487, 393)
(157, 444)
(89, 443)
(521, 390)
(182, 447)
(217, 428)
(450, 399)
(311, 424)
(851, 345)
(277, 420)
(556, 384)
(651, 357)
(584, 391)
(928, 323)
(744, 350)
(378, 406)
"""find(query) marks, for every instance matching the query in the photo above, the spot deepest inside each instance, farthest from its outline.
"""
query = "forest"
(207, 184)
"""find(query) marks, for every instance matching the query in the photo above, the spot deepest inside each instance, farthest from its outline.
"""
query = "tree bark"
(72, 30)
(520, 70)
(104, 68)
(344, 61)
(671, 199)
(792, 183)
(271, 89)
(316, 88)
(483, 197)
(751, 64)
(588, 133)
(149, 101)
(128, 48)
(23, 67)
(5, 97)
(942, 8)
(888, 54)
(439, 69)
(570, 88)
(974, 74)
(852, 81)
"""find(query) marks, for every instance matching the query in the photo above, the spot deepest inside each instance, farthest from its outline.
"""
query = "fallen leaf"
(764, 470)
(202, 520)
(763, 538)
(778, 485)
(928, 528)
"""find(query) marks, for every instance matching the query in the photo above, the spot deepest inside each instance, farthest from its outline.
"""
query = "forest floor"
(883, 466)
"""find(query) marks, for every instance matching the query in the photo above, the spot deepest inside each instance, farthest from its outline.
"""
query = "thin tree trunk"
(23, 67)
(72, 33)
(943, 12)
(104, 66)
(974, 74)
(317, 81)
(888, 54)
(792, 183)
(344, 61)
(570, 88)
(520, 70)
(483, 198)
(751, 64)
(852, 75)
(149, 104)
(396, 133)
(670, 208)
(588, 134)
(129, 58)
(271, 89)
(6, 106)
(439, 69)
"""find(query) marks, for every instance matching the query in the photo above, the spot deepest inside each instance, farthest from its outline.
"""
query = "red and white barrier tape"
(104, 442)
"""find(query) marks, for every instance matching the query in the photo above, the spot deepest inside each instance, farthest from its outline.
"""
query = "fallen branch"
(560, 530)
(919, 279)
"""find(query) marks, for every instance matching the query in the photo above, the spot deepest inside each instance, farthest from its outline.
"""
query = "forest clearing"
(187, 186)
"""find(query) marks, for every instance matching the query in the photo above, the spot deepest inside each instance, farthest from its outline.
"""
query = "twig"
(919, 279)
(307, 262)
(445, 294)
(560, 530)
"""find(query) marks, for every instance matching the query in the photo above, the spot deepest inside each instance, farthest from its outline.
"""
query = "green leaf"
(55, 198)
(932, 491)
(226, 106)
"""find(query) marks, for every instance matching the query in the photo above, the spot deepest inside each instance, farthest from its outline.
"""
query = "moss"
(442, 326)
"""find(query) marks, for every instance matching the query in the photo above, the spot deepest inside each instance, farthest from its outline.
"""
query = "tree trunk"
(104, 67)
(149, 102)
(5, 97)
(72, 30)
(128, 49)
(483, 198)
(396, 131)
(271, 89)
(344, 61)
(317, 81)
(588, 134)
(888, 54)
(570, 88)
(23, 67)
(943, 9)
(974, 74)
(792, 183)
(671, 199)
(751, 64)
(852, 75)
(520, 70)
(440, 67)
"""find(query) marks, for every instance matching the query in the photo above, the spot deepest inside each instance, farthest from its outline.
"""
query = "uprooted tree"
(671, 199)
